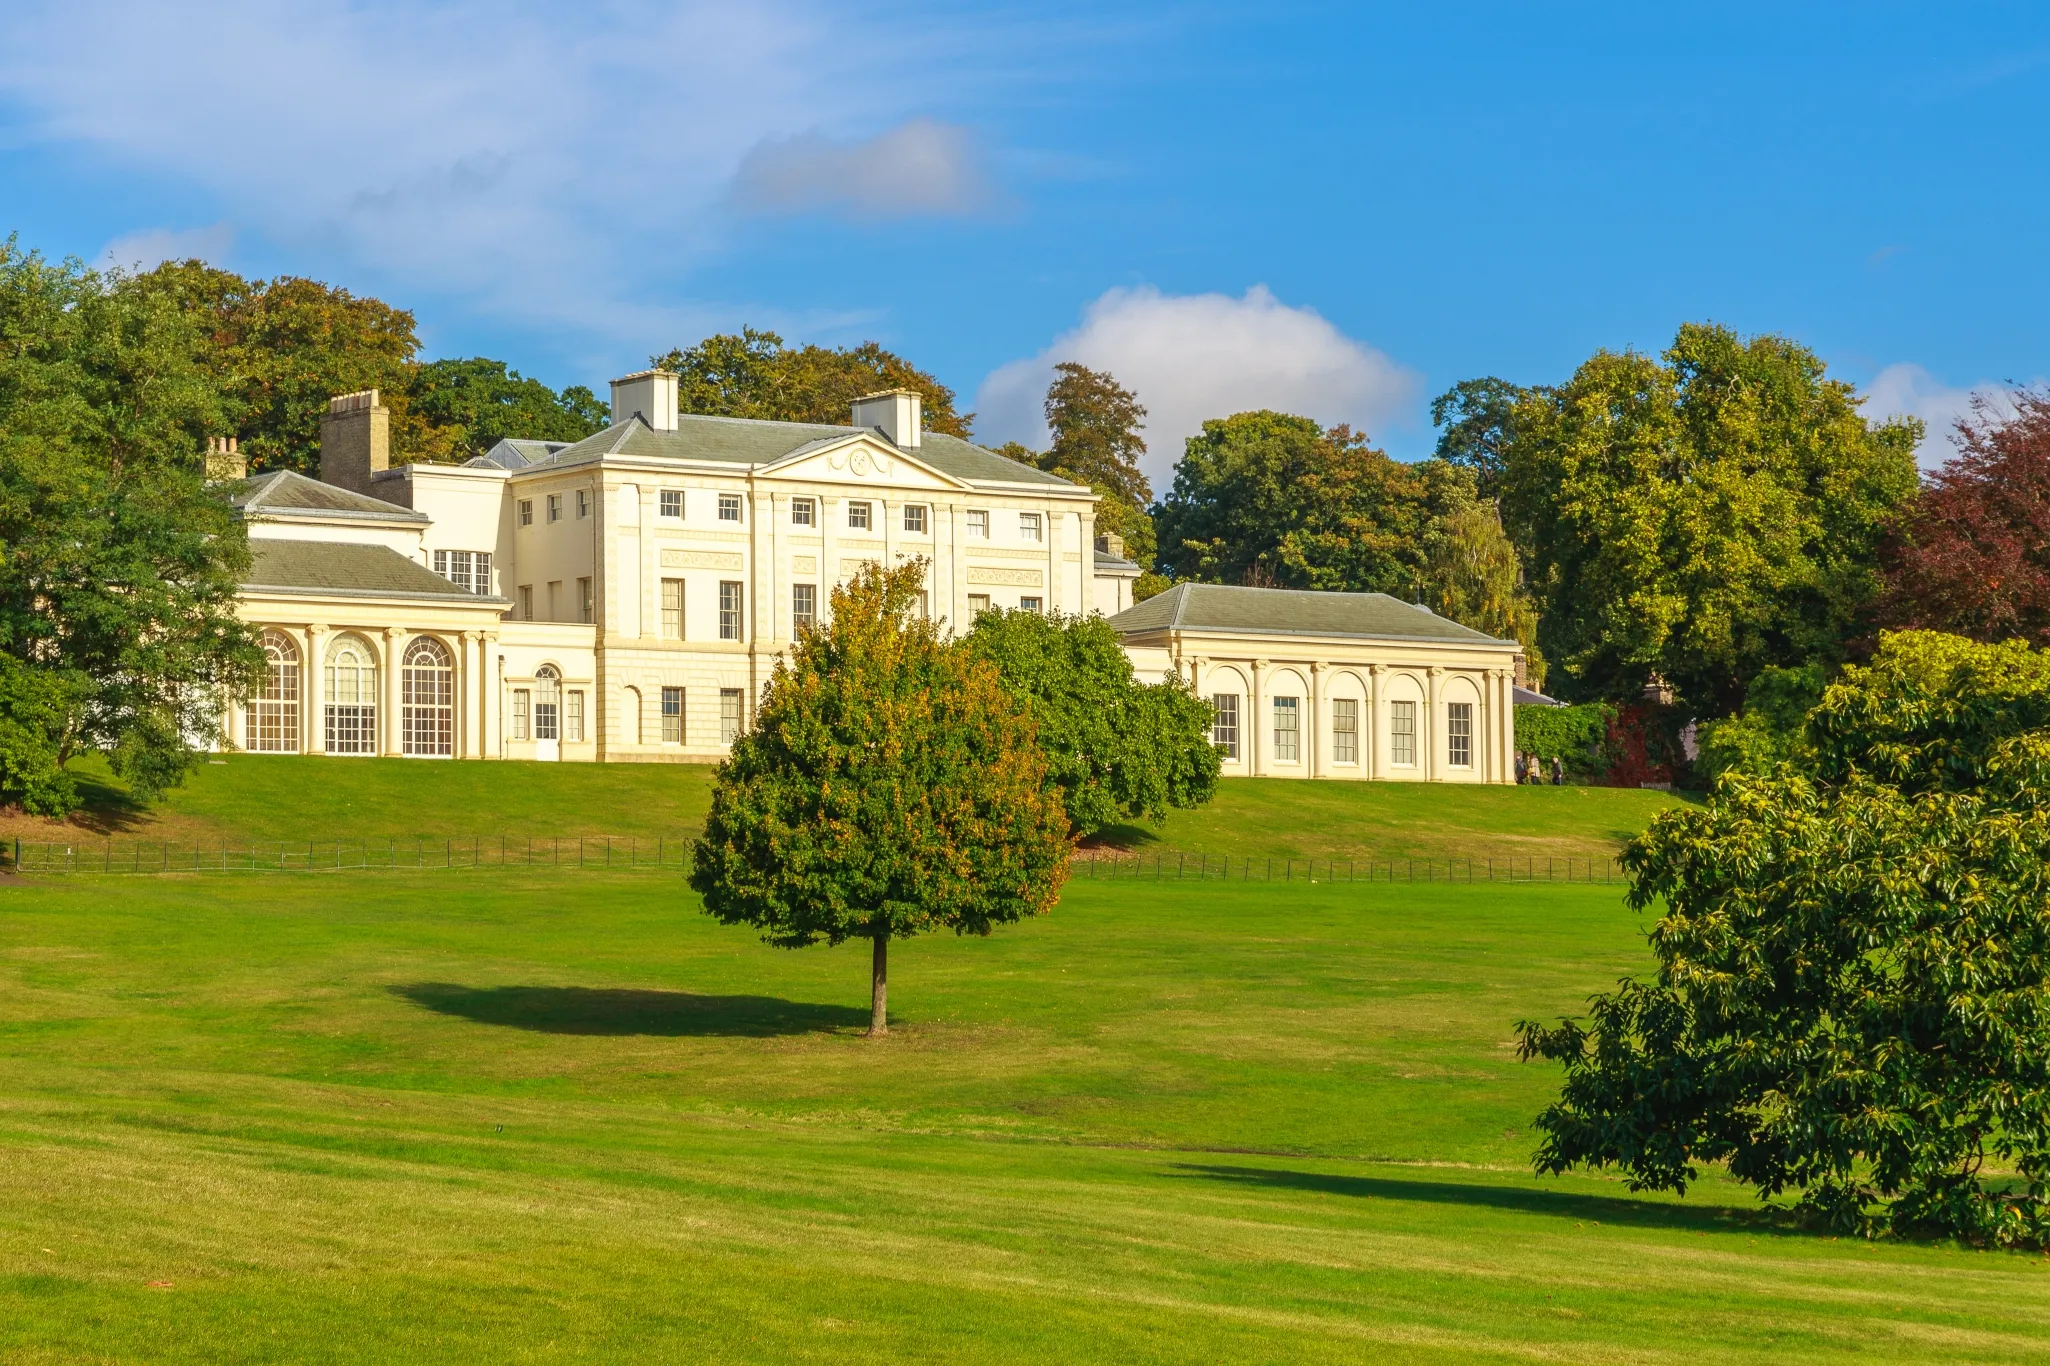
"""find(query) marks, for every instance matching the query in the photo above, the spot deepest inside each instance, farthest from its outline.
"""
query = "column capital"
(1437, 671)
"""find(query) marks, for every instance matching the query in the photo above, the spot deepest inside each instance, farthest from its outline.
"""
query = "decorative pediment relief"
(864, 461)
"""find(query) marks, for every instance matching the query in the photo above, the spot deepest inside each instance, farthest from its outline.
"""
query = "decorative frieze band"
(804, 564)
(1022, 578)
(703, 559)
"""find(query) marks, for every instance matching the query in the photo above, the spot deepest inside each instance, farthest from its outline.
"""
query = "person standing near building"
(1558, 772)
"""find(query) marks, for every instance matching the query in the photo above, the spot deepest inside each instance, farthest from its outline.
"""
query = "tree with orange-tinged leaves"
(1973, 558)
(890, 786)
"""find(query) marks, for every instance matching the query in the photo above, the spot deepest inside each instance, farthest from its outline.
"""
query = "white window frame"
(1224, 723)
(732, 714)
(672, 721)
(729, 507)
(978, 524)
(732, 607)
(526, 512)
(916, 519)
(804, 512)
(1345, 730)
(1459, 734)
(669, 503)
(860, 515)
(1288, 729)
(1402, 736)
(672, 612)
(1031, 527)
(583, 504)
(804, 605)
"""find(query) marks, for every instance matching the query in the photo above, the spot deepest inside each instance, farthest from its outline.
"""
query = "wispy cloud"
(547, 163)
(918, 167)
(1196, 356)
(150, 247)
(1908, 390)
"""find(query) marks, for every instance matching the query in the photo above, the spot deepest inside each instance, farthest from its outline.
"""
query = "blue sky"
(1335, 209)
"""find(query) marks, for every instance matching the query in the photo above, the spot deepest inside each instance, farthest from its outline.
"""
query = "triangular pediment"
(862, 461)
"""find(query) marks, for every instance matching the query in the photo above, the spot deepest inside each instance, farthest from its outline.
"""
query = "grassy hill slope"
(261, 797)
(552, 1117)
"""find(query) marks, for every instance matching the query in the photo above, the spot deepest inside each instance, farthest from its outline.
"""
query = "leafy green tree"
(1475, 579)
(1120, 749)
(1095, 423)
(891, 785)
(1852, 997)
(1476, 415)
(121, 565)
(1702, 515)
(1772, 728)
(478, 402)
(756, 375)
(1269, 498)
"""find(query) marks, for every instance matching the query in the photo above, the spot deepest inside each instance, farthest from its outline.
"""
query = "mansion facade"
(626, 597)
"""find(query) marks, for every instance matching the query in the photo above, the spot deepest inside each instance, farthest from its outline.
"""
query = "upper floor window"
(729, 507)
(469, 570)
(1031, 604)
(526, 512)
(672, 503)
(583, 503)
(804, 605)
(554, 507)
(586, 602)
(914, 518)
(729, 611)
(978, 526)
(1028, 526)
(802, 512)
(857, 516)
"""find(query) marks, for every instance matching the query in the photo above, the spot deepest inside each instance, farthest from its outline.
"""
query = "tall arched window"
(351, 697)
(273, 716)
(547, 703)
(427, 686)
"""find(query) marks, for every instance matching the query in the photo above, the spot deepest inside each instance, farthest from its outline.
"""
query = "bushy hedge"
(1575, 734)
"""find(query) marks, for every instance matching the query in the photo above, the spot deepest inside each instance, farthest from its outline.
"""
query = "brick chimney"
(893, 412)
(224, 459)
(649, 396)
(1112, 544)
(355, 440)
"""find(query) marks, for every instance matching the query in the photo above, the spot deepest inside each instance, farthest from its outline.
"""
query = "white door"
(547, 751)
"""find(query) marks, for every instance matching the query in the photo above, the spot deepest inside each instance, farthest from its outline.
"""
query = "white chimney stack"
(894, 412)
(650, 396)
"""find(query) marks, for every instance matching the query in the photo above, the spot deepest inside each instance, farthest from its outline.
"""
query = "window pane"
(1287, 729)
(427, 698)
(573, 716)
(672, 609)
(583, 503)
(1345, 730)
(554, 507)
(1402, 733)
(586, 603)
(729, 715)
(978, 602)
(804, 604)
(914, 519)
(1224, 730)
(801, 512)
(729, 611)
(526, 512)
(729, 507)
(1459, 734)
(1029, 604)
(521, 701)
(978, 525)
(672, 503)
(672, 716)
(1028, 526)
(857, 516)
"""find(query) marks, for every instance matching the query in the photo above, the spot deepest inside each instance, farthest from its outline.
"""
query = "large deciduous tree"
(1094, 424)
(1269, 498)
(755, 375)
(1852, 997)
(472, 404)
(1477, 415)
(891, 785)
(1702, 515)
(118, 563)
(1475, 578)
(1973, 557)
(1119, 749)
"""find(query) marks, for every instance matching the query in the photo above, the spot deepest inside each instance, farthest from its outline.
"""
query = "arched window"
(273, 716)
(427, 687)
(633, 711)
(351, 697)
(547, 703)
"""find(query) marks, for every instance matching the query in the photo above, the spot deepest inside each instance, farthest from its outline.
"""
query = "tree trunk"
(879, 991)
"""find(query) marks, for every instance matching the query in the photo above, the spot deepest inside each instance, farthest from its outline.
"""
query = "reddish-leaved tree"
(1973, 555)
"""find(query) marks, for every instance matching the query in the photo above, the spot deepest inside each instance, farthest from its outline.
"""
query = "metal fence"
(631, 853)
(298, 856)
(1107, 865)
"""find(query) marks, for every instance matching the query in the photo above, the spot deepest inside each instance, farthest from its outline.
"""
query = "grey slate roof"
(284, 493)
(747, 441)
(516, 454)
(324, 567)
(1106, 560)
(1530, 697)
(1291, 611)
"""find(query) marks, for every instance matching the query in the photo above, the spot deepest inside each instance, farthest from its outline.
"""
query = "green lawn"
(526, 1117)
(263, 798)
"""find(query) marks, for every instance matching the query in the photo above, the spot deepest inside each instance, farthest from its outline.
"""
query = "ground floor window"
(273, 716)
(672, 609)
(672, 716)
(351, 716)
(978, 602)
(1345, 730)
(730, 703)
(1459, 734)
(547, 703)
(1287, 729)
(1402, 733)
(1224, 723)
(523, 704)
(1030, 604)
(573, 716)
(427, 699)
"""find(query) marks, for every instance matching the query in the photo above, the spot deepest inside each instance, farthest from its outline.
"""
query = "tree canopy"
(891, 785)
(1701, 515)
(1119, 749)
(1852, 997)
(1477, 415)
(473, 404)
(1094, 423)
(118, 629)
(755, 375)
(1973, 557)
(1270, 498)
(1475, 579)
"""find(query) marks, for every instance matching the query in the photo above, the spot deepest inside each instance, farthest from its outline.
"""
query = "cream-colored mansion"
(625, 597)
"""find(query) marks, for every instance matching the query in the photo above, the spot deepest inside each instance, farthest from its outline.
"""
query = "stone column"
(1256, 716)
(313, 738)
(1433, 762)
(388, 725)
(1052, 522)
(1374, 726)
(492, 694)
(1313, 726)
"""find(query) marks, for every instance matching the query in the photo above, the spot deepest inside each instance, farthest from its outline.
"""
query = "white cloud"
(151, 247)
(549, 163)
(1196, 356)
(1907, 390)
(918, 167)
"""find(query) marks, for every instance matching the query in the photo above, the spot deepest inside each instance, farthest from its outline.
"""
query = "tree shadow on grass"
(622, 1011)
(1606, 1209)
